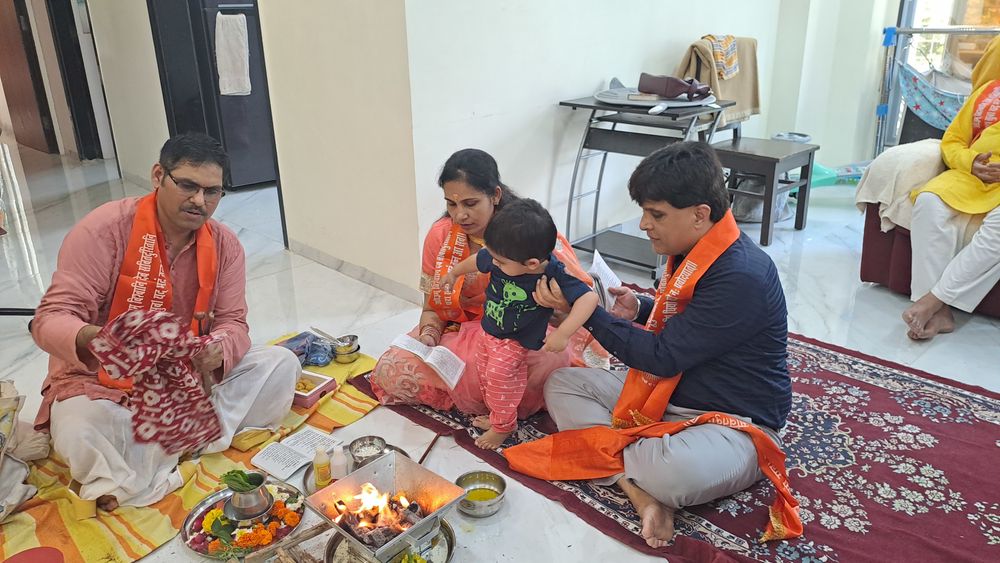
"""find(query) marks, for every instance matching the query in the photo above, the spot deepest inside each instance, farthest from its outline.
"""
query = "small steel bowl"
(347, 344)
(486, 480)
(347, 357)
(366, 442)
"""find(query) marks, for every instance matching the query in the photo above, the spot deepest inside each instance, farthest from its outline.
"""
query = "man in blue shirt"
(730, 342)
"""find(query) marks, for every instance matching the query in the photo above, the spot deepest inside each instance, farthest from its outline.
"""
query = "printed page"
(440, 359)
(279, 460)
(447, 364)
(306, 440)
(410, 344)
(604, 279)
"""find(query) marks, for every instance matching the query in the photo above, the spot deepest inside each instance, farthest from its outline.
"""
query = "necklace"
(476, 240)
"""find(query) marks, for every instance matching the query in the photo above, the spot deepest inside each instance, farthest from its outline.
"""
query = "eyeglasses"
(191, 189)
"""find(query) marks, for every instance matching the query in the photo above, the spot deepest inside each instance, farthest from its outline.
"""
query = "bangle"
(431, 330)
(638, 306)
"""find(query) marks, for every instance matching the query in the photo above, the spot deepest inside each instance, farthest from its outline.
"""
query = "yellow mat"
(130, 533)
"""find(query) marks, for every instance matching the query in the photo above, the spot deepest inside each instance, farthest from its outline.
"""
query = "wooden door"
(22, 80)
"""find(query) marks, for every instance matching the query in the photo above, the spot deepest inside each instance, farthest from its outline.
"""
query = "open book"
(282, 459)
(440, 359)
(604, 279)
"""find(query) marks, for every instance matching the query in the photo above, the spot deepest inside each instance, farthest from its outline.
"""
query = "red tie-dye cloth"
(169, 405)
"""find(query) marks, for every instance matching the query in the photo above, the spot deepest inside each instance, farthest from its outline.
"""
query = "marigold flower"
(210, 518)
(214, 546)
(292, 518)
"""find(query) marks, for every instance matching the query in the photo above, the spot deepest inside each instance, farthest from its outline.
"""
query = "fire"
(376, 517)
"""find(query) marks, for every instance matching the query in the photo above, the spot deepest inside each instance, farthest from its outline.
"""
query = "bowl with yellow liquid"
(484, 492)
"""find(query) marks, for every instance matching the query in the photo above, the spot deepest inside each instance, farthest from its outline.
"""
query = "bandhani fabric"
(888, 463)
(169, 404)
(144, 281)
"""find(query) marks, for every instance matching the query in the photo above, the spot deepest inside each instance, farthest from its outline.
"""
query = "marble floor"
(818, 266)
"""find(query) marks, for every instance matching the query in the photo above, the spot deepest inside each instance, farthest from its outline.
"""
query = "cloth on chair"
(743, 88)
(232, 54)
(169, 404)
(724, 52)
(891, 177)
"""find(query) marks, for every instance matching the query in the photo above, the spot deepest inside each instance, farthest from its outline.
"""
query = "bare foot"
(657, 519)
(491, 439)
(920, 313)
(482, 422)
(942, 322)
(107, 503)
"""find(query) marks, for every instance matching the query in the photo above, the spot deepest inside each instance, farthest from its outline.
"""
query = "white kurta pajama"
(95, 439)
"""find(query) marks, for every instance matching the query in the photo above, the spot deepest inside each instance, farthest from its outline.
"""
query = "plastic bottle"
(338, 463)
(321, 468)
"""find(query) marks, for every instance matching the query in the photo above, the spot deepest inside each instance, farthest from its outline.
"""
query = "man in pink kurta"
(90, 422)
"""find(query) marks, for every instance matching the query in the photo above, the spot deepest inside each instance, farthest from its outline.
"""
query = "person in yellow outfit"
(946, 272)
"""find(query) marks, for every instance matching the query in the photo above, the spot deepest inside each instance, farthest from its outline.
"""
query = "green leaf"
(255, 479)
(223, 531)
(238, 480)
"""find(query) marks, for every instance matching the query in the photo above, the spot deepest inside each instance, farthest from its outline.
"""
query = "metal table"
(602, 137)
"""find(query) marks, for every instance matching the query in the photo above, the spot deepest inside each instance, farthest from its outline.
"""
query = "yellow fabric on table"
(130, 533)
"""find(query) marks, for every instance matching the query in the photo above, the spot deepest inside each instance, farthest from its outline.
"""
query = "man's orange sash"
(644, 398)
(593, 453)
(448, 305)
(987, 109)
(144, 279)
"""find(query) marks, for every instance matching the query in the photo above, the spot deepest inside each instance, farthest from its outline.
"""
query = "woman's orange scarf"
(594, 453)
(987, 110)
(144, 279)
(448, 305)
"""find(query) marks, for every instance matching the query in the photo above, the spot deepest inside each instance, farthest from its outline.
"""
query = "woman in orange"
(472, 193)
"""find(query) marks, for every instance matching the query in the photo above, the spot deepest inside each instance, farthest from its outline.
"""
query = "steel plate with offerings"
(251, 513)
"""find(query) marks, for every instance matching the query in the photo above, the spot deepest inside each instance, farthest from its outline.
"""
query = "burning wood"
(378, 518)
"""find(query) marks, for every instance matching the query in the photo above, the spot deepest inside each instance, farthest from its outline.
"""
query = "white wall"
(340, 97)
(828, 72)
(124, 42)
(90, 64)
(490, 75)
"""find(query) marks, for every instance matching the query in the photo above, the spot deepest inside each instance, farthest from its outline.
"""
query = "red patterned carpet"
(889, 464)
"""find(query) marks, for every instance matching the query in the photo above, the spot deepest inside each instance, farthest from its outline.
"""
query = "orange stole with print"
(987, 110)
(144, 280)
(645, 397)
(595, 453)
(448, 304)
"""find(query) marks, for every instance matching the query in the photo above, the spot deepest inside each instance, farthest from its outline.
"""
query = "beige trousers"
(694, 466)
(95, 436)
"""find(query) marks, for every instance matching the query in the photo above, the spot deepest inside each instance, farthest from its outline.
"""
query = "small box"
(323, 386)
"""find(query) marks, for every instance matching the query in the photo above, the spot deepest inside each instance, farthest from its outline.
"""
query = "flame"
(375, 510)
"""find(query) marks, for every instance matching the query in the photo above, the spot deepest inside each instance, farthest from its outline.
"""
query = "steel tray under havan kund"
(393, 474)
